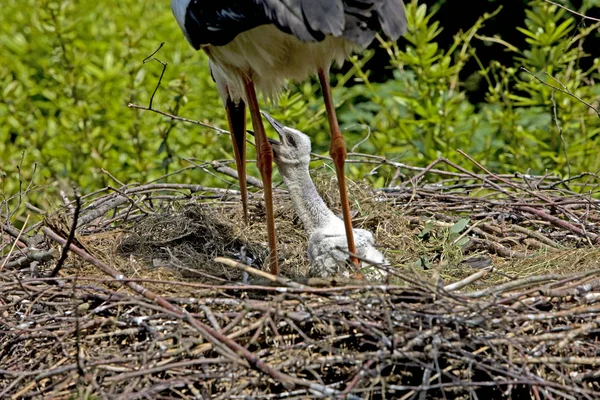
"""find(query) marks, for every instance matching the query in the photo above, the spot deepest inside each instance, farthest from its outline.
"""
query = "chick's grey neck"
(309, 205)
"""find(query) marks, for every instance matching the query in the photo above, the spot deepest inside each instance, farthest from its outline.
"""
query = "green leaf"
(460, 225)
(426, 229)
(463, 241)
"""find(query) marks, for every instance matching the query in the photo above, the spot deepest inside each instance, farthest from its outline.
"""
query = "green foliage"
(534, 117)
(68, 69)
(444, 240)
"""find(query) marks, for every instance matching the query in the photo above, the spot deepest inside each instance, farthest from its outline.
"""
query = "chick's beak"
(276, 125)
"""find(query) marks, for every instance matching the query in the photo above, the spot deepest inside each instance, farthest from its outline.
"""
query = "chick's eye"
(291, 141)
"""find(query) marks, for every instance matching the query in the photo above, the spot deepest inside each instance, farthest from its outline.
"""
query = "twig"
(162, 73)
(572, 11)
(216, 337)
(177, 118)
(17, 238)
(234, 174)
(561, 223)
(468, 280)
(71, 237)
(31, 256)
(256, 272)
(562, 90)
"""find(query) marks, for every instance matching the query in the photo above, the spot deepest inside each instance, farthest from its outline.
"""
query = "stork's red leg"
(236, 116)
(264, 158)
(337, 150)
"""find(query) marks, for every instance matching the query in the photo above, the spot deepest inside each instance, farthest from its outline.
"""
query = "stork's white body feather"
(269, 56)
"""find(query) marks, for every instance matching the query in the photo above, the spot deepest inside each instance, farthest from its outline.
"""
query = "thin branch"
(17, 238)
(572, 11)
(162, 73)
(564, 89)
(71, 237)
(177, 118)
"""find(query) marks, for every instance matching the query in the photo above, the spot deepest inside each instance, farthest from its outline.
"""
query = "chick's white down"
(327, 244)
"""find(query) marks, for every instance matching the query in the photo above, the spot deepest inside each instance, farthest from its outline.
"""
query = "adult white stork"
(258, 44)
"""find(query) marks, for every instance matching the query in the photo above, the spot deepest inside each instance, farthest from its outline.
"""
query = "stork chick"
(327, 243)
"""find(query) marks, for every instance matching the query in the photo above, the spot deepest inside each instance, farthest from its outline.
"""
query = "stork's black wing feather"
(356, 20)
(219, 22)
(364, 18)
(308, 20)
(392, 17)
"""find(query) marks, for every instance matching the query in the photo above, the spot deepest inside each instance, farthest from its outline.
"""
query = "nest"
(493, 292)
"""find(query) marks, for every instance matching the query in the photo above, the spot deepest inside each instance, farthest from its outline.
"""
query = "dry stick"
(378, 160)
(165, 367)
(539, 213)
(70, 238)
(79, 359)
(211, 317)
(499, 249)
(591, 361)
(162, 74)
(35, 209)
(469, 279)
(203, 348)
(210, 334)
(93, 204)
(67, 202)
(234, 174)
(429, 168)
(513, 285)
(218, 339)
(561, 223)
(15, 242)
(415, 179)
(572, 281)
(149, 108)
(31, 256)
(8, 238)
(537, 235)
(483, 178)
(306, 289)
(359, 374)
(258, 272)
(120, 199)
(559, 128)
(506, 181)
(176, 118)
